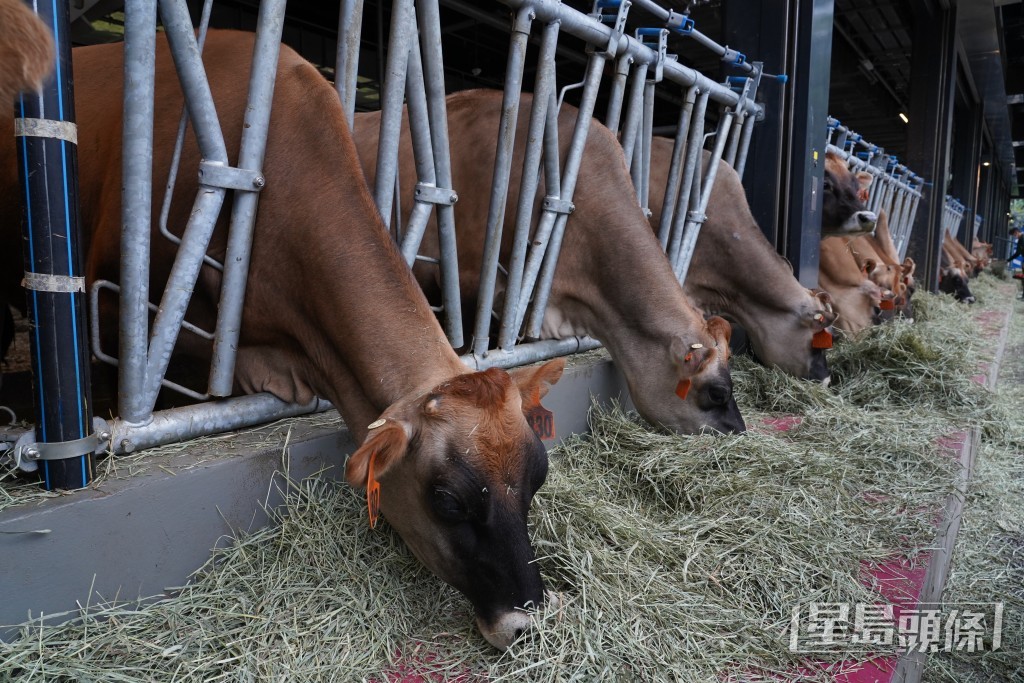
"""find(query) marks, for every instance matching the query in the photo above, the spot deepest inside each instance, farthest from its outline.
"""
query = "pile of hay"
(988, 563)
(675, 558)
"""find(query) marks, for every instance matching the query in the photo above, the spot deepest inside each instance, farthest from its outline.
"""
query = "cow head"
(795, 337)
(457, 468)
(696, 388)
(843, 211)
(954, 281)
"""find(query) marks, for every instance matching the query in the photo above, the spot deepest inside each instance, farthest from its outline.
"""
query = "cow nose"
(506, 629)
(866, 220)
(827, 381)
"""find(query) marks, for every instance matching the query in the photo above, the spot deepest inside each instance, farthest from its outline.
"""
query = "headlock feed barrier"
(639, 66)
(894, 187)
(952, 216)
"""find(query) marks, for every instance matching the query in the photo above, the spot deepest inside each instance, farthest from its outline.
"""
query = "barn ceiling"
(871, 51)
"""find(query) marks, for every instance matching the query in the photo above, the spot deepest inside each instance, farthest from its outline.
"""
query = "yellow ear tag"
(683, 388)
(372, 493)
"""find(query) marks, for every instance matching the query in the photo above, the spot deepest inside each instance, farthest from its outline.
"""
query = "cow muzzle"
(505, 629)
(865, 220)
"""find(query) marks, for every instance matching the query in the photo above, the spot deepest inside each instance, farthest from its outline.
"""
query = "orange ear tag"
(542, 422)
(683, 388)
(821, 340)
(372, 493)
(886, 305)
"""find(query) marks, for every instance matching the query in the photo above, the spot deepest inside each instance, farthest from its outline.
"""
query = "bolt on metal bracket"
(557, 205)
(431, 194)
(215, 174)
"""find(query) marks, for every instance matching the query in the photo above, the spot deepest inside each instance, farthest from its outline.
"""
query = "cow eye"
(828, 185)
(447, 506)
(719, 395)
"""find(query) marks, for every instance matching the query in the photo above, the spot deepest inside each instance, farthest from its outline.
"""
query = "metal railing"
(894, 187)
(414, 79)
(952, 216)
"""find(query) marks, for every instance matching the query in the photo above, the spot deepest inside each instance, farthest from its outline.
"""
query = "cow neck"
(636, 305)
(376, 320)
(755, 282)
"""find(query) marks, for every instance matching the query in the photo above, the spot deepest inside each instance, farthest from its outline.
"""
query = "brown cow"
(26, 52)
(843, 211)
(855, 297)
(956, 267)
(331, 310)
(613, 282)
(888, 273)
(736, 271)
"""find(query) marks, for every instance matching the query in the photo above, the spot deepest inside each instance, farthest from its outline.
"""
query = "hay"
(988, 562)
(677, 558)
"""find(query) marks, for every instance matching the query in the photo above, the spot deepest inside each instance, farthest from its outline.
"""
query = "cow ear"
(864, 180)
(534, 382)
(909, 266)
(720, 329)
(385, 444)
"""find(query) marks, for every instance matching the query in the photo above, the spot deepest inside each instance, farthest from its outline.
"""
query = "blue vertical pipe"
(48, 170)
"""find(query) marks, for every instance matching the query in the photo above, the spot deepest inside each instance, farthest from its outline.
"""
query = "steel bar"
(203, 218)
(346, 65)
(694, 222)
(532, 352)
(734, 140)
(634, 110)
(392, 90)
(252, 148)
(423, 152)
(668, 205)
(179, 145)
(741, 158)
(570, 173)
(691, 170)
(592, 31)
(543, 95)
(136, 208)
(183, 424)
(47, 156)
(499, 182)
(645, 161)
(618, 91)
(433, 82)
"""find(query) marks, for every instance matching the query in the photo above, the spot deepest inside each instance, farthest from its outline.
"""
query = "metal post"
(933, 65)
(252, 148)
(499, 182)
(668, 205)
(136, 208)
(543, 96)
(433, 83)
(691, 171)
(807, 109)
(634, 110)
(618, 91)
(346, 66)
(392, 90)
(47, 143)
(697, 217)
(570, 172)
